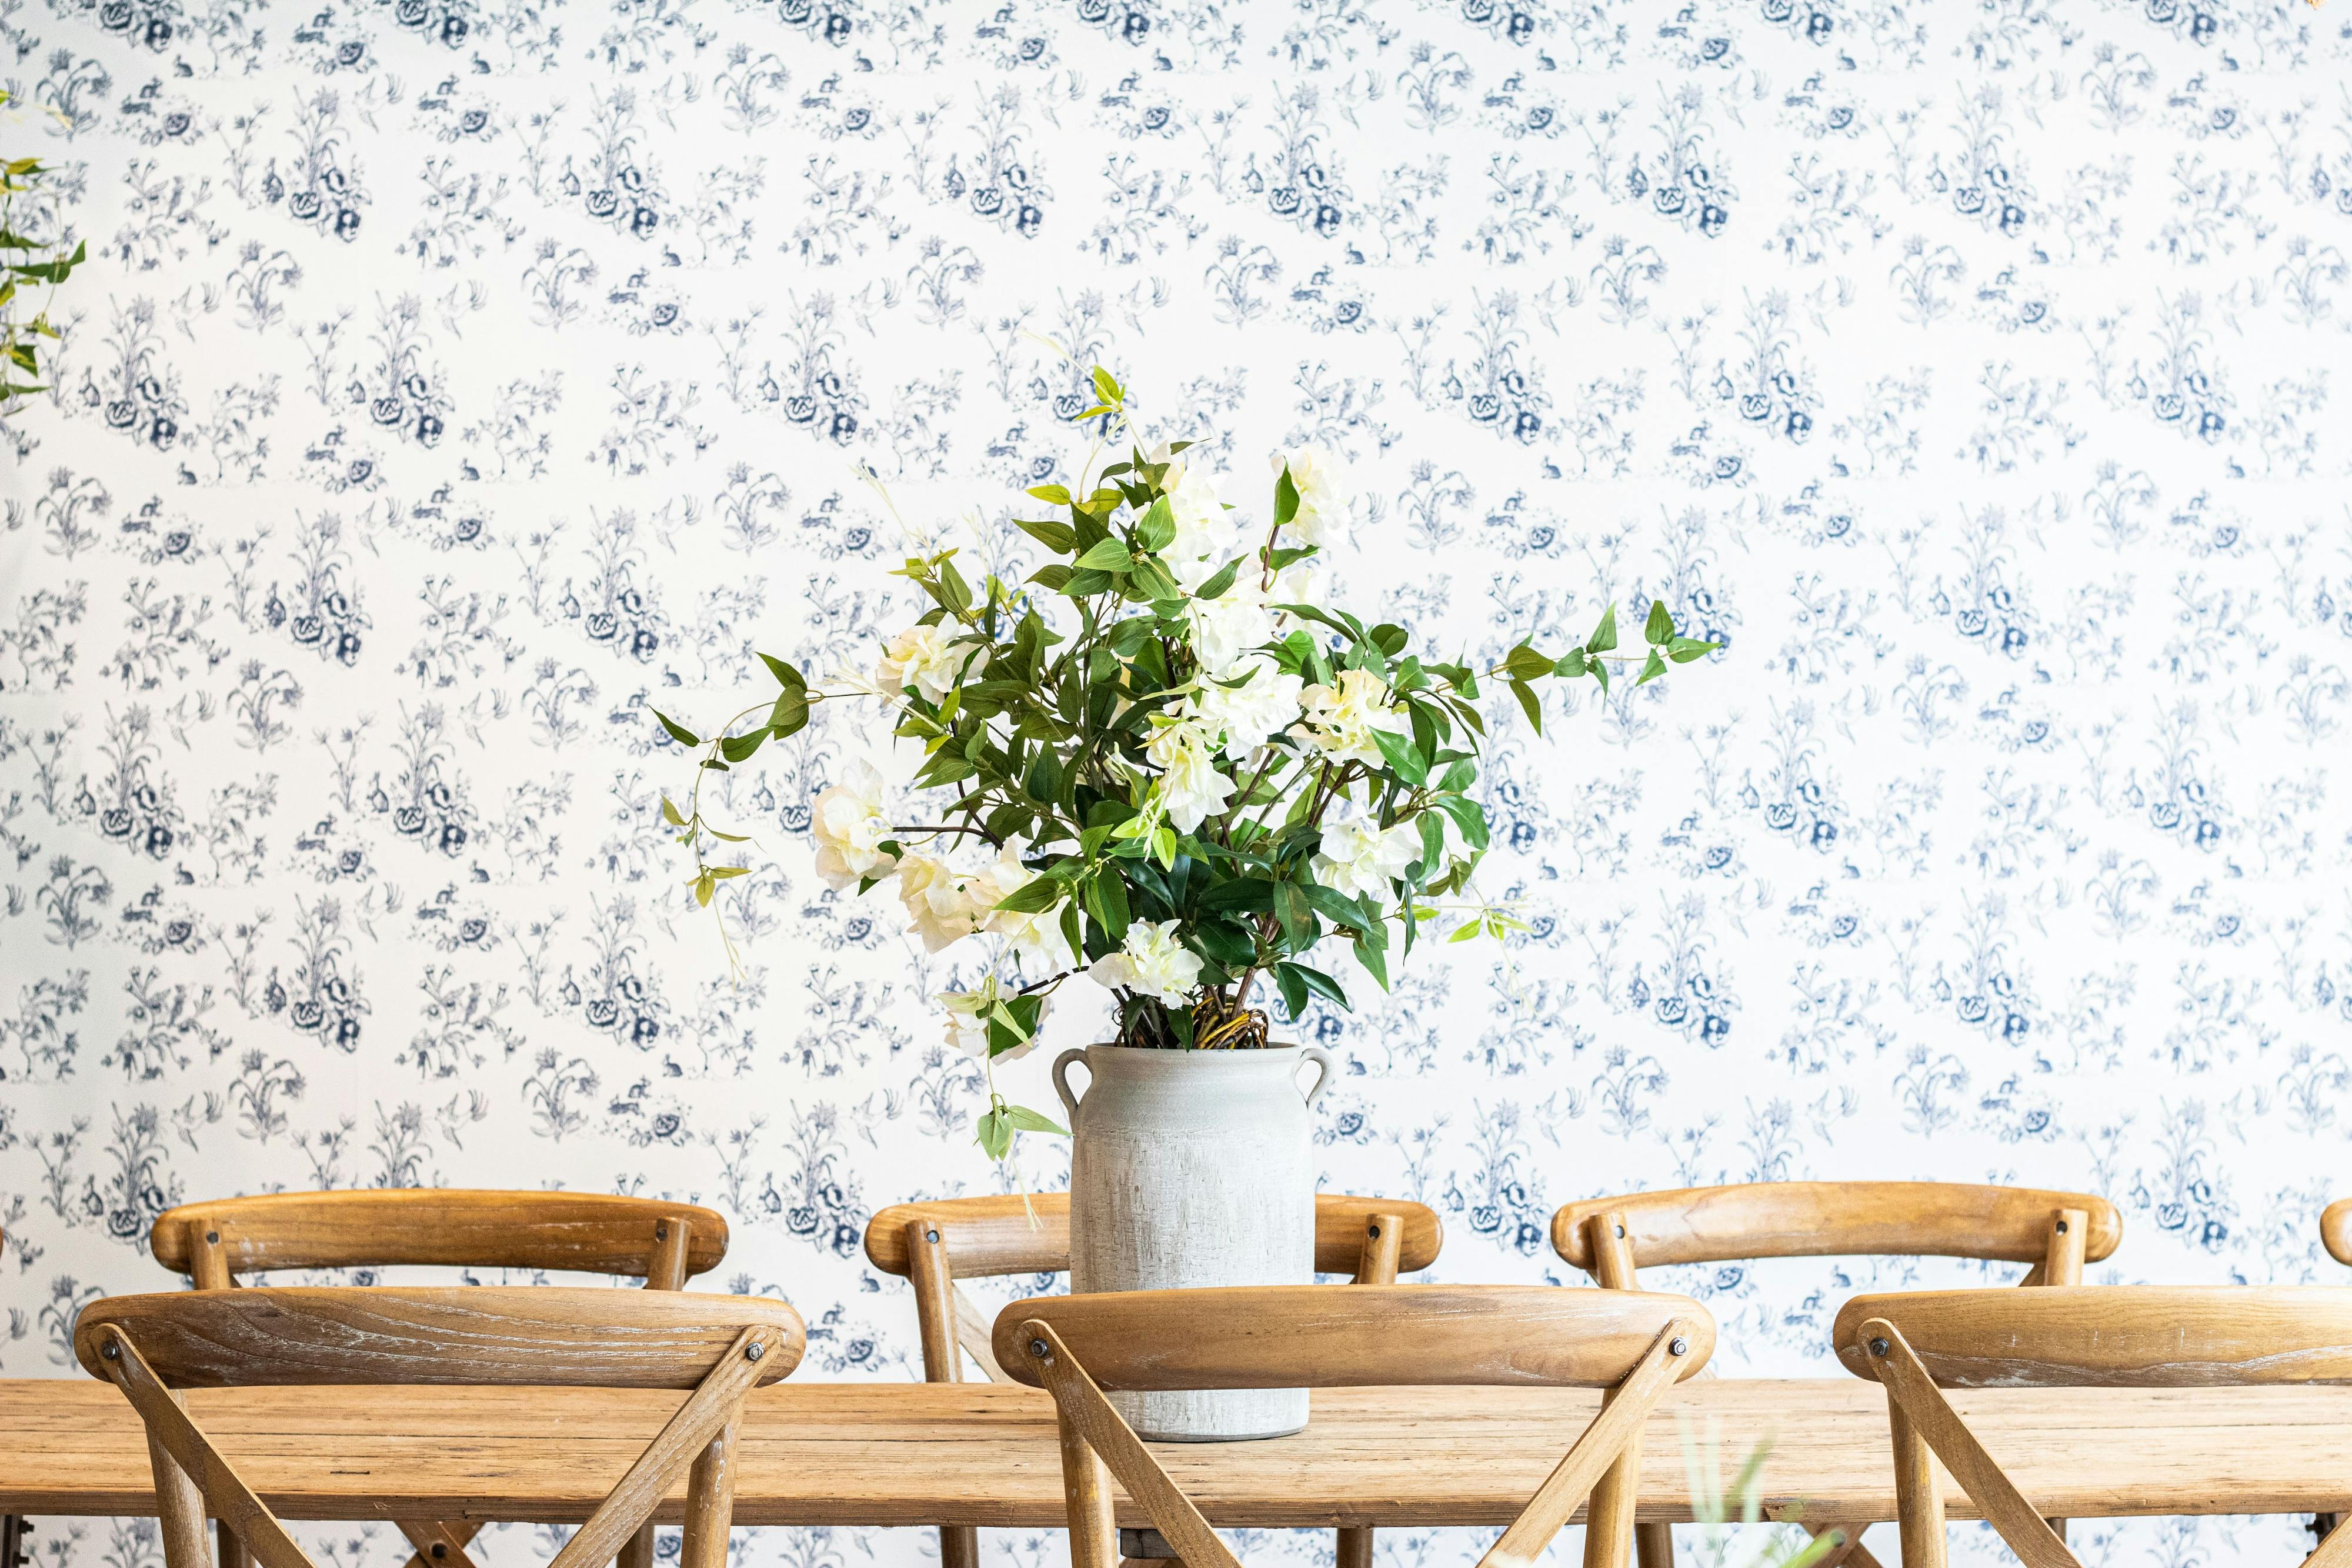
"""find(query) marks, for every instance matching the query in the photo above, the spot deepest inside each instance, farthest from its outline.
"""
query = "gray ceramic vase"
(1192, 1169)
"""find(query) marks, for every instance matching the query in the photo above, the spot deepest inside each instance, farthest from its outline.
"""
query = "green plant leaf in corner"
(1660, 626)
(1530, 706)
(1024, 1120)
(677, 732)
(1651, 668)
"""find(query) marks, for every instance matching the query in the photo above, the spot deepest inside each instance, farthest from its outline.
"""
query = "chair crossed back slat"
(1631, 1346)
(661, 1242)
(2124, 1336)
(933, 1242)
(719, 1347)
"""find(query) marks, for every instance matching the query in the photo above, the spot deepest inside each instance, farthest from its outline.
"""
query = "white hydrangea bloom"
(920, 656)
(1324, 494)
(848, 827)
(1340, 718)
(1249, 715)
(941, 901)
(1151, 963)
(1206, 536)
(1037, 938)
(1358, 857)
(1191, 788)
(1224, 630)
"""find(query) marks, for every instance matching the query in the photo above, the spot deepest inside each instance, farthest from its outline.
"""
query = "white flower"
(940, 900)
(1360, 859)
(848, 827)
(920, 656)
(1247, 716)
(1341, 719)
(1151, 963)
(967, 1028)
(1037, 938)
(1205, 537)
(1227, 629)
(1190, 784)
(1323, 493)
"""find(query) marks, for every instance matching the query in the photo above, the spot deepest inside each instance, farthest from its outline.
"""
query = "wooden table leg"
(15, 1549)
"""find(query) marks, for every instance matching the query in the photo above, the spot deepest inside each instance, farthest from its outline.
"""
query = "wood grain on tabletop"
(987, 1454)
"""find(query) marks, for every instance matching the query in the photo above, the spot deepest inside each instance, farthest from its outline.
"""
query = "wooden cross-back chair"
(2114, 1336)
(1611, 1238)
(718, 1347)
(2335, 1229)
(1634, 1346)
(933, 1242)
(663, 1244)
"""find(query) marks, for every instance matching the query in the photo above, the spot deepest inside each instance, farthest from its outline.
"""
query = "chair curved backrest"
(1918, 1343)
(995, 1235)
(1816, 1219)
(1322, 1336)
(2335, 1229)
(661, 1242)
(721, 1347)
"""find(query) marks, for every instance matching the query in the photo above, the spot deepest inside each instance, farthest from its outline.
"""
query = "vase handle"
(1062, 1081)
(1322, 1059)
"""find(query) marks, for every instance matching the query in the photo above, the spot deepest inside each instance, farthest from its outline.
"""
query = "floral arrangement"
(24, 260)
(1161, 762)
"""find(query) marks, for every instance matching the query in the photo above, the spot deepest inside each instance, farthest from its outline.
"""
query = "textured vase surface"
(1193, 1169)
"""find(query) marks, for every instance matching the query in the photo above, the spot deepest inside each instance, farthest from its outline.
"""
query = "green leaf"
(1318, 981)
(704, 883)
(1528, 704)
(1375, 959)
(1111, 555)
(1339, 908)
(1107, 388)
(1052, 495)
(1660, 626)
(1053, 577)
(670, 814)
(1293, 987)
(1107, 902)
(994, 1134)
(1571, 664)
(1157, 528)
(1214, 588)
(735, 748)
(1604, 635)
(1296, 916)
(677, 732)
(1024, 1120)
(1599, 672)
(1651, 668)
(1033, 898)
(1524, 663)
(788, 677)
(1682, 650)
(1059, 537)
(1286, 498)
(1402, 757)
(1251, 895)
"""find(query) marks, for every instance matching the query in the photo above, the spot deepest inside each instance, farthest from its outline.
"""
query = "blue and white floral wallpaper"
(454, 379)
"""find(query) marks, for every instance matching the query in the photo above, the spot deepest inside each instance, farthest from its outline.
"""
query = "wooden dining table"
(985, 1454)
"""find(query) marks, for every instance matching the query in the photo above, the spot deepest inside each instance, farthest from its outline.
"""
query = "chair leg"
(232, 1553)
(14, 1550)
(637, 1553)
(1355, 1542)
(710, 1502)
(1918, 1493)
(179, 1506)
(959, 1546)
(1653, 1545)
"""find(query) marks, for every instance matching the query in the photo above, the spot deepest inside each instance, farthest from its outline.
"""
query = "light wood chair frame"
(2055, 1231)
(663, 1243)
(2124, 1336)
(718, 1348)
(933, 1242)
(1630, 1345)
